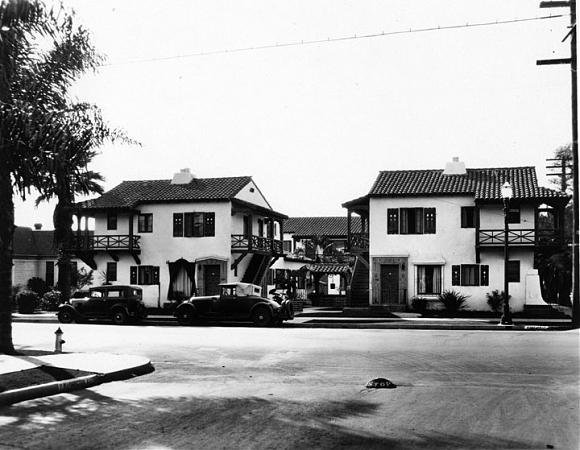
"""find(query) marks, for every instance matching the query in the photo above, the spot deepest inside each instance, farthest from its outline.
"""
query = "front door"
(389, 283)
(211, 279)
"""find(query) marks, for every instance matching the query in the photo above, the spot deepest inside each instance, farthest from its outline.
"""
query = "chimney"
(38, 226)
(455, 167)
(184, 176)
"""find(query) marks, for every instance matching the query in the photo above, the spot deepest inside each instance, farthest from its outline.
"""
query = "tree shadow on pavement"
(87, 419)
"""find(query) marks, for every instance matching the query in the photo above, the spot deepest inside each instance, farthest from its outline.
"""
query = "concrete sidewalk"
(105, 367)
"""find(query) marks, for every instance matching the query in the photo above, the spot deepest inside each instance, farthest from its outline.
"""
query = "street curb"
(411, 326)
(74, 384)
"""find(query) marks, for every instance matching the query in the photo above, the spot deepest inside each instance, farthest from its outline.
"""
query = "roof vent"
(455, 167)
(184, 176)
(38, 226)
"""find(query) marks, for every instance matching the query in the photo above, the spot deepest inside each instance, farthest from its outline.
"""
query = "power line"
(335, 39)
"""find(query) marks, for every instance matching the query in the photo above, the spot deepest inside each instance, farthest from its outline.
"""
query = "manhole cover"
(381, 383)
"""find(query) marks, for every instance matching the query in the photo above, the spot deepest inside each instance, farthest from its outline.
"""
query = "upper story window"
(411, 221)
(195, 224)
(111, 221)
(287, 246)
(145, 223)
(468, 217)
(514, 215)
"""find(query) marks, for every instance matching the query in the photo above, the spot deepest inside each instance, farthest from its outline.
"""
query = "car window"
(135, 293)
(96, 294)
(114, 294)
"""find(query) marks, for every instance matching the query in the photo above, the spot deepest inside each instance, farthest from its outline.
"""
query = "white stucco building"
(181, 236)
(427, 231)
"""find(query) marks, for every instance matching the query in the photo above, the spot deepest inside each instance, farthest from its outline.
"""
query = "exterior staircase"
(359, 284)
(256, 269)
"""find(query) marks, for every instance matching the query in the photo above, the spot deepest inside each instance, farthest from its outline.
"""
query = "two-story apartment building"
(427, 231)
(181, 236)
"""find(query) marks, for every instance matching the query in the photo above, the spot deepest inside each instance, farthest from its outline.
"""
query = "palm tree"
(81, 129)
(33, 87)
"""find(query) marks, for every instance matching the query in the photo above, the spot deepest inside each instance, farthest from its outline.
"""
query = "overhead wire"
(335, 39)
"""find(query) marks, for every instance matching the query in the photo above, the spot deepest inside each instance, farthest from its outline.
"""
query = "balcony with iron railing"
(520, 238)
(258, 244)
(106, 242)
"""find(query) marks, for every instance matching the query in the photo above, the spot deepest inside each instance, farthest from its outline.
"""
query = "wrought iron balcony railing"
(243, 242)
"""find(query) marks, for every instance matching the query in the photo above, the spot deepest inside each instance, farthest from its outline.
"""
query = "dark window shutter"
(456, 275)
(513, 271)
(430, 220)
(156, 275)
(209, 224)
(133, 278)
(188, 224)
(177, 224)
(485, 275)
(392, 221)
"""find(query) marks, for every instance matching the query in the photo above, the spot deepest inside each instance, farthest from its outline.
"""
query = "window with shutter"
(484, 275)
(111, 271)
(133, 275)
(430, 220)
(392, 221)
(209, 224)
(513, 271)
(177, 224)
(188, 224)
(456, 275)
(467, 217)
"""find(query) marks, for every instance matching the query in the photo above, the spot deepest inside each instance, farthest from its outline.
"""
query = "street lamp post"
(506, 194)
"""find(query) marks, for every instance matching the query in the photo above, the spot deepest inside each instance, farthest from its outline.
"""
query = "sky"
(314, 124)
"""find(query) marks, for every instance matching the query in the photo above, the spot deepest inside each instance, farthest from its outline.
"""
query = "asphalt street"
(243, 387)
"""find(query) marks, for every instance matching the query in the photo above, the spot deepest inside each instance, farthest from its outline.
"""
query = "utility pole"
(573, 66)
(563, 166)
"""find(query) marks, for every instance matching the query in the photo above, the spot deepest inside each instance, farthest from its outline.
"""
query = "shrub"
(50, 301)
(452, 301)
(495, 300)
(38, 285)
(27, 301)
(419, 305)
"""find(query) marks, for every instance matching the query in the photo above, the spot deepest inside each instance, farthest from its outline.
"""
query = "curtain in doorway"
(181, 280)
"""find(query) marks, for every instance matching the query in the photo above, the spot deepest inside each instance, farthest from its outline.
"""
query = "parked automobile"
(120, 303)
(237, 301)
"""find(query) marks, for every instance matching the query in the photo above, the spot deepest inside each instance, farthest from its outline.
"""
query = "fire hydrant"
(58, 341)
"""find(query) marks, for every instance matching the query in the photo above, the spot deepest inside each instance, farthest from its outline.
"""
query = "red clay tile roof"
(128, 194)
(321, 226)
(484, 184)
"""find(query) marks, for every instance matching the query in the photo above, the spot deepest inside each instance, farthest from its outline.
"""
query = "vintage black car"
(237, 301)
(119, 303)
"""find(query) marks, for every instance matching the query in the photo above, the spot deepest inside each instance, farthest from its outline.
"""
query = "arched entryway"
(210, 273)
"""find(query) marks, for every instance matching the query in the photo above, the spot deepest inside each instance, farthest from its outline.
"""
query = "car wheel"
(186, 317)
(65, 316)
(119, 317)
(261, 317)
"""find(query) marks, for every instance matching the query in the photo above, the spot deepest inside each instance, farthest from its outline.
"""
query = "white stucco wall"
(453, 245)
(251, 193)
(24, 269)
